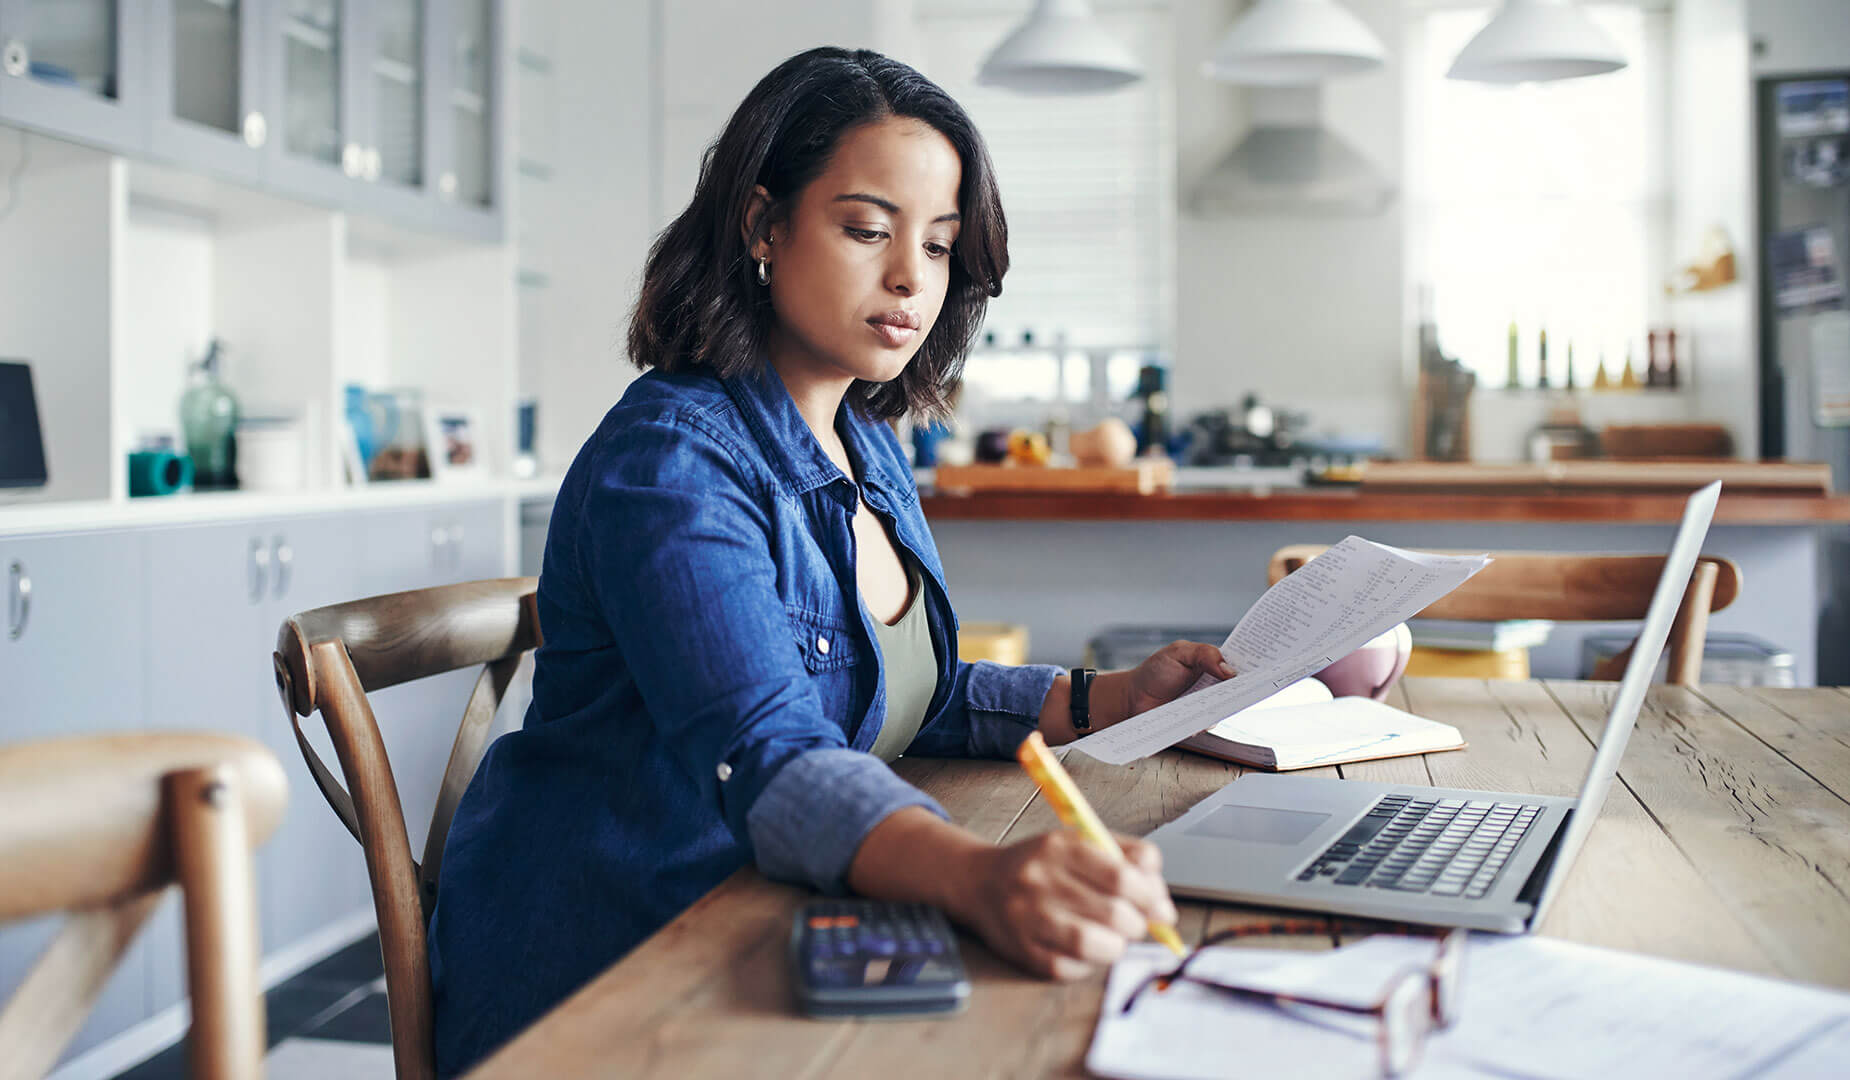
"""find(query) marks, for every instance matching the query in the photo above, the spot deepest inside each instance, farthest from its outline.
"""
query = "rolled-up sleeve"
(678, 552)
(990, 709)
(809, 821)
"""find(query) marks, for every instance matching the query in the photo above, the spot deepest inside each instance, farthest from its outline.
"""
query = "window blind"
(1088, 184)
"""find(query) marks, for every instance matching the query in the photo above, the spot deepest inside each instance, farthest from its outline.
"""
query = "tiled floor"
(328, 1021)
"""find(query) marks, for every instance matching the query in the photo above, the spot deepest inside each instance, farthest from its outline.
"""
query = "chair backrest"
(98, 826)
(328, 660)
(1576, 588)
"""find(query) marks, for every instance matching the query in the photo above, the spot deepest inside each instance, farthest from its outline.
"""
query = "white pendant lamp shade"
(1060, 49)
(1294, 43)
(1537, 41)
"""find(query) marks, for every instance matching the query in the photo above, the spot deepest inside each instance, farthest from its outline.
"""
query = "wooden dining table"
(1726, 841)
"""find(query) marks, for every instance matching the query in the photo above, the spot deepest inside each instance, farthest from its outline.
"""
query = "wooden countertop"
(1723, 845)
(1349, 504)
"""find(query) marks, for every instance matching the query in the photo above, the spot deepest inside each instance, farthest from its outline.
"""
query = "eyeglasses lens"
(1406, 1020)
(1449, 977)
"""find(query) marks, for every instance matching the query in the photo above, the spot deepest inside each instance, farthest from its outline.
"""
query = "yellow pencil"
(1063, 795)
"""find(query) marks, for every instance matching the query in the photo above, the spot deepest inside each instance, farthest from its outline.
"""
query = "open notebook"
(1303, 726)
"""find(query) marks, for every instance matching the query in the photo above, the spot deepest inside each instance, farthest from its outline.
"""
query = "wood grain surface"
(1723, 842)
(1335, 504)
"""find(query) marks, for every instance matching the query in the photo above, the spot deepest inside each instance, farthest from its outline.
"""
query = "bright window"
(1543, 204)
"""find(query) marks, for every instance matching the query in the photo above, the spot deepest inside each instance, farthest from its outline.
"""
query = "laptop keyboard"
(1440, 847)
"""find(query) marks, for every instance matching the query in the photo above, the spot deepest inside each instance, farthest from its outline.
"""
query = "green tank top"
(911, 669)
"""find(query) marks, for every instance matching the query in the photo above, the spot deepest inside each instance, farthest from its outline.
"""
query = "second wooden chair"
(1576, 588)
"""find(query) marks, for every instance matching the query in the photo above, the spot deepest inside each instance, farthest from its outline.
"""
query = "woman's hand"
(1169, 671)
(1058, 906)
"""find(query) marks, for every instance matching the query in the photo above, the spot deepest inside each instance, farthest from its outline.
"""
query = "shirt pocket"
(826, 642)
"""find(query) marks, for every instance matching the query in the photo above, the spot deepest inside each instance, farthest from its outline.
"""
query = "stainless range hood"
(1290, 164)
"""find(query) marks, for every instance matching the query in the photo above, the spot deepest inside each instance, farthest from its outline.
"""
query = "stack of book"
(1479, 636)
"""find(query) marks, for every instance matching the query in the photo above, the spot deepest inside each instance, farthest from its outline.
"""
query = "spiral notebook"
(1303, 727)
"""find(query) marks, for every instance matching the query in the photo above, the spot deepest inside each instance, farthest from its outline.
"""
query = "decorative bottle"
(209, 420)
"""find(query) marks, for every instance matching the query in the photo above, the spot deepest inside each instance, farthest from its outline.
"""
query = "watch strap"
(1082, 698)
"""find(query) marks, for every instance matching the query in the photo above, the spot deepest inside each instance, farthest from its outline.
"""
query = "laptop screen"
(22, 450)
(1697, 513)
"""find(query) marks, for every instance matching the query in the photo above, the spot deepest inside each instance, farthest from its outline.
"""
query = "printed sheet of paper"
(1330, 607)
(1628, 1015)
(1191, 1033)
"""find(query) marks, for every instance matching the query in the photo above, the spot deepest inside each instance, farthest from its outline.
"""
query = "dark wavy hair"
(701, 307)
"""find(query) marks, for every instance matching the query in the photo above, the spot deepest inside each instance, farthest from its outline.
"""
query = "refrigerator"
(1802, 151)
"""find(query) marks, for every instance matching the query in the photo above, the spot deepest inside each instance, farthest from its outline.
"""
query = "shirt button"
(725, 772)
(822, 644)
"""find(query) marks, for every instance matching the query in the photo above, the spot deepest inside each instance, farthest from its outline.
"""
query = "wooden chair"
(1576, 588)
(329, 659)
(98, 826)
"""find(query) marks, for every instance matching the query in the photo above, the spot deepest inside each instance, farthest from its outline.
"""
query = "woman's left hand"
(1171, 670)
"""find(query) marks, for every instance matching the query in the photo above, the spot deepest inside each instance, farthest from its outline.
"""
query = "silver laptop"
(1486, 860)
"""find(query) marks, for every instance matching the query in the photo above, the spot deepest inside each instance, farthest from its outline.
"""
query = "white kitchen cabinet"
(217, 595)
(171, 628)
(72, 663)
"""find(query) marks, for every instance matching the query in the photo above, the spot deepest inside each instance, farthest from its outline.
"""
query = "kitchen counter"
(28, 516)
(1351, 504)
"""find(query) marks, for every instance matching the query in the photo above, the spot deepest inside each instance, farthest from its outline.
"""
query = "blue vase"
(361, 420)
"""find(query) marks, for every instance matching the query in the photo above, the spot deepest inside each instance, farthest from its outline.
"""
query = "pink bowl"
(1370, 671)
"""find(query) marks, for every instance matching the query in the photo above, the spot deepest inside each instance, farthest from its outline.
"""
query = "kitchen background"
(1561, 207)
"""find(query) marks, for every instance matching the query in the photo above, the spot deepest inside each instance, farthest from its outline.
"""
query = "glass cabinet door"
(397, 91)
(312, 86)
(206, 87)
(207, 44)
(64, 68)
(470, 178)
(69, 43)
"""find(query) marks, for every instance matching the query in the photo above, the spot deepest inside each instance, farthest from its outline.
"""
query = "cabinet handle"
(285, 561)
(256, 130)
(259, 568)
(353, 160)
(439, 545)
(16, 58)
(447, 185)
(18, 601)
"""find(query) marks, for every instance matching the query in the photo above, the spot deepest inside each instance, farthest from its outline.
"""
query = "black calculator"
(875, 958)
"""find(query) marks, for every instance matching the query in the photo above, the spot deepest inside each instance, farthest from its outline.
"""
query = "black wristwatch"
(1082, 698)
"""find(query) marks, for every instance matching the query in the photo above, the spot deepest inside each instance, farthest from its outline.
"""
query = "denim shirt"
(704, 699)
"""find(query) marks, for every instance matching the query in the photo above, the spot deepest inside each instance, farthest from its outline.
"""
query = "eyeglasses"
(1414, 1003)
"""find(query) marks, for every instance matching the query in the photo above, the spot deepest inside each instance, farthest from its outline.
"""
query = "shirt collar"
(792, 447)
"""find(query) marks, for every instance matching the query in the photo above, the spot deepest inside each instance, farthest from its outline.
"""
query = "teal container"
(158, 472)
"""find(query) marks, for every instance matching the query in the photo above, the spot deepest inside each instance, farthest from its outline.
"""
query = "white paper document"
(1329, 608)
(1529, 1007)
(1193, 1033)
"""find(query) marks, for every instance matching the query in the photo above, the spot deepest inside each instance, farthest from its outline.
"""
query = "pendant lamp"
(1294, 43)
(1060, 49)
(1537, 41)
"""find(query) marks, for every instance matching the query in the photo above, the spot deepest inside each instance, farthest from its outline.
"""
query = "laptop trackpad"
(1259, 824)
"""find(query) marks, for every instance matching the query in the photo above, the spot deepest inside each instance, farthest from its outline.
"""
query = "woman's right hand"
(1058, 906)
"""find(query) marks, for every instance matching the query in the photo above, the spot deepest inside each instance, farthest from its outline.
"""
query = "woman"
(743, 611)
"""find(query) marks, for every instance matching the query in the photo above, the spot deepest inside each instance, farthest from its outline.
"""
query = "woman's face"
(860, 266)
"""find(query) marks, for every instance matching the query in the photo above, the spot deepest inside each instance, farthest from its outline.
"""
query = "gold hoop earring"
(764, 271)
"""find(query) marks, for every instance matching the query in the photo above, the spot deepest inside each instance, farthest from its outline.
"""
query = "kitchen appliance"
(22, 446)
(1802, 157)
